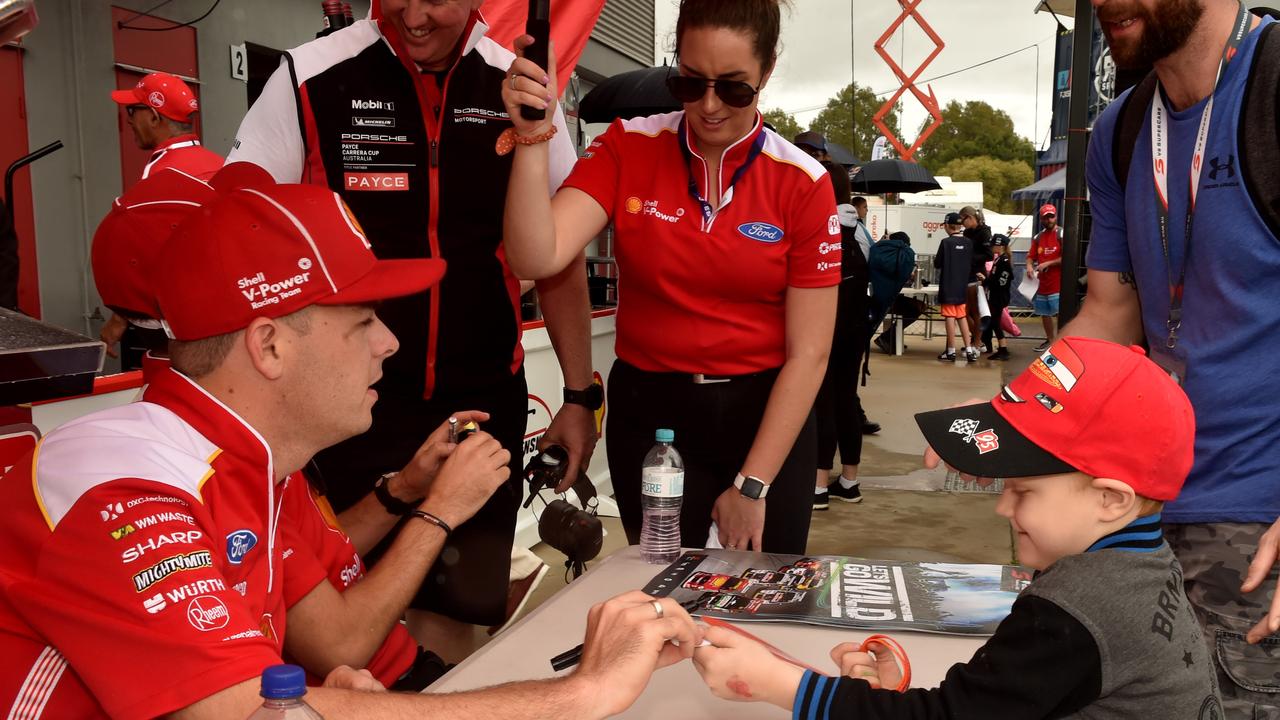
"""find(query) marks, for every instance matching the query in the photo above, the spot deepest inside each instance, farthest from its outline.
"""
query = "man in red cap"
(155, 529)
(1044, 261)
(160, 107)
(399, 114)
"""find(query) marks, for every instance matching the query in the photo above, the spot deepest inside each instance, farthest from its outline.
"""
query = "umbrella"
(841, 155)
(630, 94)
(1049, 187)
(886, 176)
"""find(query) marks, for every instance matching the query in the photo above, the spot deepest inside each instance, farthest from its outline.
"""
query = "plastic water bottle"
(661, 492)
(282, 689)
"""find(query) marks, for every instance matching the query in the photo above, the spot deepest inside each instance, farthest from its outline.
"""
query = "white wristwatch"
(751, 487)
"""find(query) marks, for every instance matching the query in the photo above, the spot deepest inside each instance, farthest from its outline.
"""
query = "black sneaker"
(870, 428)
(1001, 354)
(820, 500)
(948, 356)
(851, 495)
(1043, 346)
(971, 355)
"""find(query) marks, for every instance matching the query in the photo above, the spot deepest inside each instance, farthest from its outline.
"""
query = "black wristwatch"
(751, 487)
(592, 398)
(393, 504)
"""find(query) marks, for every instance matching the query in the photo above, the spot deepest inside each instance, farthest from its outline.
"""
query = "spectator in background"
(980, 235)
(954, 266)
(865, 241)
(815, 144)
(1044, 261)
(838, 408)
(160, 109)
(998, 283)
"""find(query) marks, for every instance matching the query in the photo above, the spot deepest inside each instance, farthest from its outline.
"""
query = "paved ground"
(907, 510)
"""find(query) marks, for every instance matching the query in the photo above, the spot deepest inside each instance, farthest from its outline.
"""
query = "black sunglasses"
(131, 109)
(689, 89)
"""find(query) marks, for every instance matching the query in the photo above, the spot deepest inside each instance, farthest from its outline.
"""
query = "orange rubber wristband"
(899, 655)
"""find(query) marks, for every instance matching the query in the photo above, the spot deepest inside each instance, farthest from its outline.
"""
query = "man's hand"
(626, 642)
(112, 331)
(739, 519)
(878, 667)
(344, 677)
(739, 668)
(1266, 557)
(475, 468)
(574, 429)
(412, 482)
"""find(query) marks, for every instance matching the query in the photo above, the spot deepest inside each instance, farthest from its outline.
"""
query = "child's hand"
(879, 670)
(738, 668)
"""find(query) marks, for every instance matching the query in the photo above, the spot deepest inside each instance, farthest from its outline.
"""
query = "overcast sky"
(818, 58)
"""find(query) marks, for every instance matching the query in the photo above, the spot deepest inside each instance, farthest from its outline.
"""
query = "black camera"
(574, 530)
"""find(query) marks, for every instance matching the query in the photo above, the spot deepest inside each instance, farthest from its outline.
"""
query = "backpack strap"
(1259, 132)
(1133, 115)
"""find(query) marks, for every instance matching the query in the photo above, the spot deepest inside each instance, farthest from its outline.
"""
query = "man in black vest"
(399, 114)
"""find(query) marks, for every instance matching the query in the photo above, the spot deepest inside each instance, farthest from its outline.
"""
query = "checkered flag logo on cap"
(964, 427)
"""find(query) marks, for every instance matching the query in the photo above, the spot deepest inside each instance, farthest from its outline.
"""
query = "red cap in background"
(168, 94)
(1089, 405)
(1048, 209)
(269, 251)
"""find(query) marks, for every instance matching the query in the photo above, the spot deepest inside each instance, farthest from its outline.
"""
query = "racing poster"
(951, 598)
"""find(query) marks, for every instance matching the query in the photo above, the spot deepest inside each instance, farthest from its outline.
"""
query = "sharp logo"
(387, 105)
(155, 543)
(155, 603)
(170, 565)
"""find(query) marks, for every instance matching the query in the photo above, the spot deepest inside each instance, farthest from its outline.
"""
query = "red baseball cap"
(1089, 405)
(129, 239)
(1048, 209)
(168, 94)
(270, 251)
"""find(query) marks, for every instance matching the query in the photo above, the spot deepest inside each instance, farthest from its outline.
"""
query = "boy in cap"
(1091, 440)
(954, 265)
(160, 109)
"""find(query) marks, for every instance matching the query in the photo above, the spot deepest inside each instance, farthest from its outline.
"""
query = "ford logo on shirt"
(239, 543)
(761, 232)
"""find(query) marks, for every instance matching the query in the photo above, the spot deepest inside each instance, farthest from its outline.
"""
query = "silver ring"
(657, 607)
(513, 81)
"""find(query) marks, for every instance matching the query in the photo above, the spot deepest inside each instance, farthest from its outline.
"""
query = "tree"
(847, 120)
(999, 179)
(972, 130)
(782, 123)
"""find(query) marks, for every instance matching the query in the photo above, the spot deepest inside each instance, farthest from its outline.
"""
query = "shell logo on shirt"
(634, 205)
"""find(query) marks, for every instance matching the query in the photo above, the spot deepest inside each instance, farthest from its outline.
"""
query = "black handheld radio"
(539, 26)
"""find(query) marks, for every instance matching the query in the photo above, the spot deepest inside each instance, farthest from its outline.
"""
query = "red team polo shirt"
(704, 292)
(141, 567)
(1047, 246)
(316, 549)
(184, 153)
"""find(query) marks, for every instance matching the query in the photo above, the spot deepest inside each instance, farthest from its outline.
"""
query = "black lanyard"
(1160, 173)
(753, 152)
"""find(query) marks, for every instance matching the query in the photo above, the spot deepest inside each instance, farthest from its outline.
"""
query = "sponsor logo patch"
(193, 589)
(170, 565)
(375, 182)
(825, 248)
(984, 440)
(142, 548)
(207, 613)
(373, 105)
(122, 531)
(112, 511)
(261, 293)
(833, 225)
(155, 603)
(154, 498)
(633, 205)
(162, 517)
(373, 122)
(239, 543)
(761, 232)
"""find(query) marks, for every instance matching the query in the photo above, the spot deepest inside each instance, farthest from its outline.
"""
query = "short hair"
(198, 358)
(179, 128)
(858, 200)
(839, 181)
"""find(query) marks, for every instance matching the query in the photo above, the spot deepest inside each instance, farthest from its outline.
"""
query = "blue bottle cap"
(665, 435)
(280, 682)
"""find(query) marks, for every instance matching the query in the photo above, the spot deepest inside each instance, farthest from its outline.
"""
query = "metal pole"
(1077, 146)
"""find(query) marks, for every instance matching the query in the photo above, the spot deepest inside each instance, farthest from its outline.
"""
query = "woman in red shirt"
(728, 251)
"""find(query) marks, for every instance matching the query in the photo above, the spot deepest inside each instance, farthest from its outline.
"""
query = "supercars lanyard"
(707, 211)
(1160, 171)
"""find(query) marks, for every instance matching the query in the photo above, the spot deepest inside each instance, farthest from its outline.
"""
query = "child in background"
(954, 265)
(1091, 440)
(998, 283)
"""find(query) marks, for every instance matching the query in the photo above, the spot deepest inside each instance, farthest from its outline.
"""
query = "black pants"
(715, 425)
(838, 407)
(993, 324)
(469, 580)
(908, 311)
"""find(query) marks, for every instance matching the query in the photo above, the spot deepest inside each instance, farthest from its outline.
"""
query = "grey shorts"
(1215, 558)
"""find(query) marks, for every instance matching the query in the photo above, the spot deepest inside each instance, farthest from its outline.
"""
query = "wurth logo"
(373, 105)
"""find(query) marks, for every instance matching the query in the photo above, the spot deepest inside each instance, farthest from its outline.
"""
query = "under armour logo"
(1218, 166)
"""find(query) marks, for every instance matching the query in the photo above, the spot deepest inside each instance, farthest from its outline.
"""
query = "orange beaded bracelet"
(508, 140)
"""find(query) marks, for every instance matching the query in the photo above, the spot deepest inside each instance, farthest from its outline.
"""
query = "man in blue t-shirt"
(1219, 334)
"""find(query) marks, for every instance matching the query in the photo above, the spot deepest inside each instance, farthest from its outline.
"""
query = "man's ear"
(264, 342)
(1115, 498)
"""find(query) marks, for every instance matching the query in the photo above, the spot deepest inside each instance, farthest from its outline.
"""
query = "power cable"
(175, 26)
